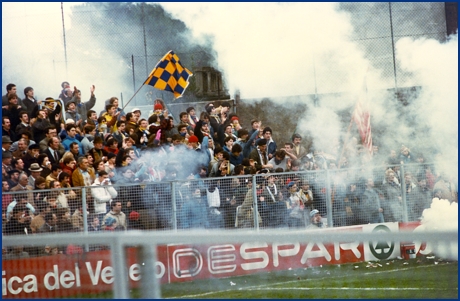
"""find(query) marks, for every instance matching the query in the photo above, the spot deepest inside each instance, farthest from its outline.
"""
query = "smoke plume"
(434, 65)
(265, 50)
(277, 50)
(442, 216)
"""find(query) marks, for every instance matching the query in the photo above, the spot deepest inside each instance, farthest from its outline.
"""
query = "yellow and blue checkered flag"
(169, 75)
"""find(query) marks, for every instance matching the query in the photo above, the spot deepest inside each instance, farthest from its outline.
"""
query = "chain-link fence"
(377, 28)
(119, 43)
(87, 265)
(379, 25)
(292, 200)
(151, 33)
(129, 39)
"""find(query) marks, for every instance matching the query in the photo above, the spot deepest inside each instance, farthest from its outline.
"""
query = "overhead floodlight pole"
(393, 48)
(63, 33)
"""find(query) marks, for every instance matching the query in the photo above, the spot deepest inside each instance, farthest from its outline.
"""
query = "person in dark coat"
(131, 195)
(18, 223)
(41, 125)
(12, 111)
(29, 102)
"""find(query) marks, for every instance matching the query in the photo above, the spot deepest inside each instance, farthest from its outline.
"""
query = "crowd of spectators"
(128, 161)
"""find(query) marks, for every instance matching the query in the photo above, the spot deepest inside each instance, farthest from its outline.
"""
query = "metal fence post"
(174, 205)
(403, 193)
(150, 284)
(255, 210)
(121, 283)
(330, 221)
(85, 214)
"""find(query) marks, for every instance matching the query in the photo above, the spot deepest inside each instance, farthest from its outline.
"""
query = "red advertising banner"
(61, 276)
(188, 262)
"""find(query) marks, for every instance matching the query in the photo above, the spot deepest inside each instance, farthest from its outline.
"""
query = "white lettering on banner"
(67, 276)
(350, 246)
(193, 267)
(55, 280)
(10, 285)
(30, 284)
(3, 283)
(246, 254)
(162, 269)
(94, 276)
(66, 279)
(217, 258)
(135, 272)
(55, 276)
(309, 253)
(107, 275)
(77, 274)
(284, 252)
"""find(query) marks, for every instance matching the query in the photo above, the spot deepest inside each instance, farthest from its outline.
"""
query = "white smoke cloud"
(33, 54)
(442, 216)
(265, 50)
(31, 37)
(278, 49)
(322, 127)
(434, 66)
(281, 49)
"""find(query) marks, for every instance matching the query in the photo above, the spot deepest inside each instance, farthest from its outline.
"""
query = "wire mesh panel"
(151, 32)
(311, 199)
(285, 200)
(52, 268)
(214, 203)
(376, 195)
(378, 26)
(43, 211)
(133, 206)
(342, 197)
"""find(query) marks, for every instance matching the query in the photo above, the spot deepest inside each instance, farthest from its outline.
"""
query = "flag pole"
(132, 97)
(156, 80)
(144, 81)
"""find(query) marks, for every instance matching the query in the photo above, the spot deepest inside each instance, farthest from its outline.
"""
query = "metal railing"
(232, 202)
(148, 242)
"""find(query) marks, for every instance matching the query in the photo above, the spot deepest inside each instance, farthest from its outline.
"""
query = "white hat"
(69, 121)
(313, 212)
(135, 109)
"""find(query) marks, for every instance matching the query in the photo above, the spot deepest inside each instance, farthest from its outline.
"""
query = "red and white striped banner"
(362, 117)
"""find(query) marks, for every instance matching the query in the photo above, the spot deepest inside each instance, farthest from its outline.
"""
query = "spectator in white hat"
(315, 219)
(137, 112)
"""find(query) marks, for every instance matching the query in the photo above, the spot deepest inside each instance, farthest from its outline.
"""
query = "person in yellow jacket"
(111, 117)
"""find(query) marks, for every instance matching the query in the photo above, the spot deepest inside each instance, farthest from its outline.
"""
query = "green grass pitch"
(419, 278)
